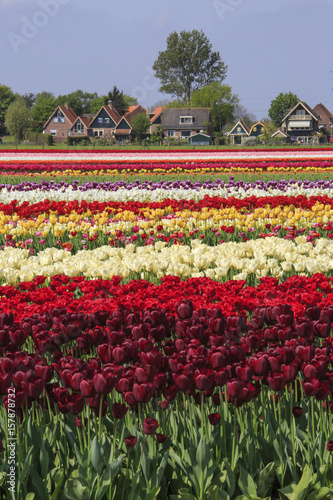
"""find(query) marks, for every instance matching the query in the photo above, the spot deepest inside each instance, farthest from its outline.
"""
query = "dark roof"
(171, 117)
(305, 106)
(242, 124)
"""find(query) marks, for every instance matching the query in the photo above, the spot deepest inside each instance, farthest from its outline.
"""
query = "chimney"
(110, 104)
(147, 112)
(66, 105)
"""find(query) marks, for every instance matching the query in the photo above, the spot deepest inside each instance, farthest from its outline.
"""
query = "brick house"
(105, 121)
(325, 118)
(60, 123)
(181, 123)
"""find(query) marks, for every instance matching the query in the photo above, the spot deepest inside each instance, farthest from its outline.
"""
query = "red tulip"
(149, 426)
(130, 441)
(119, 410)
(214, 418)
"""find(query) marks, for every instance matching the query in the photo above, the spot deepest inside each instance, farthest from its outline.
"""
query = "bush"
(249, 141)
(38, 138)
(84, 140)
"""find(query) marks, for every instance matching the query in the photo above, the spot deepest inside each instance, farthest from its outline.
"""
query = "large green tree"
(118, 100)
(220, 99)
(78, 100)
(188, 64)
(6, 98)
(280, 107)
(140, 125)
(18, 118)
(45, 104)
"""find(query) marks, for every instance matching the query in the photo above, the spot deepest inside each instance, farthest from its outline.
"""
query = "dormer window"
(186, 119)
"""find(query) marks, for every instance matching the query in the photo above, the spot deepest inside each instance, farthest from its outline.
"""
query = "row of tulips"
(250, 260)
(159, 191)
(129, 391)
(176, 167)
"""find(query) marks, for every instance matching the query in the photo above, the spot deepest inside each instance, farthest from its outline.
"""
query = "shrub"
(84, 140)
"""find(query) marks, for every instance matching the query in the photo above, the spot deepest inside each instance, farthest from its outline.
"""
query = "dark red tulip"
(204, 381)
(310, 386)
(119, 410)
(183, 382)
(214, 418)
(329, 446)
(75, 403)
(276, 381)
(235, 388)
(297, 411)
(260, 365)
(160, 438)
(130, 441)
(149, 426)
(87, 388)
(185, 309)
(103, 382)
(290, 372)
(244, 372)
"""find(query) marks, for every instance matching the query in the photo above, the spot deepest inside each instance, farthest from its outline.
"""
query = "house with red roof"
(325, 118)
(64, 122)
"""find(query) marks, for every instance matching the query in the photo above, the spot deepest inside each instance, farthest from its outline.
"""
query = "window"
(300, 112)
(185, 133)
(100, 120)
(239, 129)
(95, 133)
(107, 120)
(254, 129)
(79, 127)
(186, 119)
(100, 133)
(170, 133)
(53, 132)
(59, 117)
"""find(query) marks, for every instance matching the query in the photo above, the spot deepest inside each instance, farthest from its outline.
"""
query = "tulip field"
(166, 325)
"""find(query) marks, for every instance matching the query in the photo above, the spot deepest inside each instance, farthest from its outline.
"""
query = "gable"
(300, 106)
(238, 129)
(103, 120)
(123, 125)
(257, 129)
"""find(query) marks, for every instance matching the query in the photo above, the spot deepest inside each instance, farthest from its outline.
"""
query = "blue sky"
(270, 46)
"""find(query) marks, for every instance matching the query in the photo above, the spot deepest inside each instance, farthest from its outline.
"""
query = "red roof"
(113, 113)
(157, 113)
(69, 113)
(85, 121)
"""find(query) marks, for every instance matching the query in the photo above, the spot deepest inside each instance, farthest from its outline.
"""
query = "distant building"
(182, 123)
(107, 123)
(257, 129)
(325, 118)
(300, 123)
(64, 122)
(200, 139)
(238, 131)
